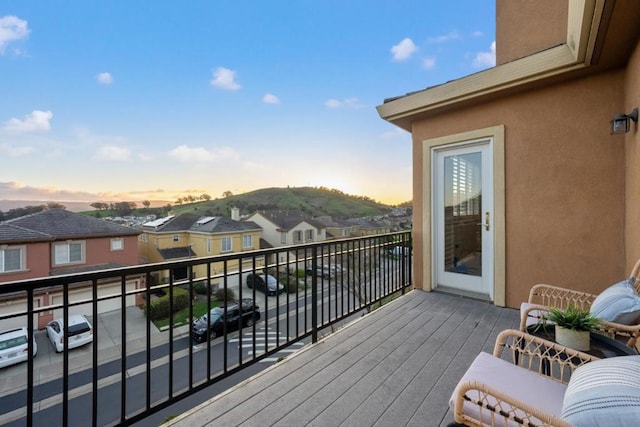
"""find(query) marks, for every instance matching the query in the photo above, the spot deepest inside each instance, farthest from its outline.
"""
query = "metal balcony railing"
(145, 366)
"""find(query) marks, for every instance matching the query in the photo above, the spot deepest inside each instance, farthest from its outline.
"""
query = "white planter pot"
(577, 340)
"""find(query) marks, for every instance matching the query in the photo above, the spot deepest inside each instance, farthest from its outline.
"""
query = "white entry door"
(463, 217)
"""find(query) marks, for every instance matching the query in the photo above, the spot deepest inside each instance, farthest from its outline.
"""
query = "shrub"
(225, 295)
(200, 288)
(159, 308)
(290, 283)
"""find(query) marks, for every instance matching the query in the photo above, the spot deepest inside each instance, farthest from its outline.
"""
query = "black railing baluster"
(94, 356)
(170, 391)
(314, 295)
(123, 343)
(148, 339)
(65, 356)
(31, 338)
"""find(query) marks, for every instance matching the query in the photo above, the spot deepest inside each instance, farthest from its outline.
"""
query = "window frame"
(68, 244)
(22, 255)
(224, 242)
(116, 248)
(247, 241)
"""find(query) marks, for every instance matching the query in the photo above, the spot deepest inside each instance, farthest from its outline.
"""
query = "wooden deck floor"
(396, 366)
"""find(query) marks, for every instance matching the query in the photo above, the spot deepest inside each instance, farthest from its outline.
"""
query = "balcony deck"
(396, 366)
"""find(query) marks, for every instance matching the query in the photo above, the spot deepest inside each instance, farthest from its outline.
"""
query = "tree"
(55, 205)
(205, 196)
(146, 204)
(227, 194)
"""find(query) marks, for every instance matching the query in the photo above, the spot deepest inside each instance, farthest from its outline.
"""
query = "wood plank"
(395, 366)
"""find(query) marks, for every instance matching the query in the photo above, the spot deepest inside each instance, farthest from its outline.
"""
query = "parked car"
(270, 287)
(325, 271)
(400, 251)
(14, 346)
(245, 313)
(80, 332)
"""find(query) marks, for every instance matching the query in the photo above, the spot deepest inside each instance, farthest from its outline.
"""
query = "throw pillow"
(605, 392)
(618, 303)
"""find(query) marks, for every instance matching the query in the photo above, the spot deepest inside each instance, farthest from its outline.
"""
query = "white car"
(80, 332)
(14, 347)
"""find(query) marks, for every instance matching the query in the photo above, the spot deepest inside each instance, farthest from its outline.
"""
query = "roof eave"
(584, 21)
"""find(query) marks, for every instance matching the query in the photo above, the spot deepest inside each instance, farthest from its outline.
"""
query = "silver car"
(80, 332)
(14, 347)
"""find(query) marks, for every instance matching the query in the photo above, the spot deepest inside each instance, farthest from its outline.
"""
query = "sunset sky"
(133, 100)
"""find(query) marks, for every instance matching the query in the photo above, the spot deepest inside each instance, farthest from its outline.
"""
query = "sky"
(153, 100)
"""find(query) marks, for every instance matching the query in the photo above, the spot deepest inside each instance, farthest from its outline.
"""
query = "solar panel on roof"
(205, 220)
(158, 222)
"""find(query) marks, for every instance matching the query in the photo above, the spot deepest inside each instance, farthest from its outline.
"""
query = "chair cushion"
(521, 384)
(604, 393)
(618, 303)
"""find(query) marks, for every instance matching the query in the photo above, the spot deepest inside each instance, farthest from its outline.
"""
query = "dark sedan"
(243, 314)
(264, 283)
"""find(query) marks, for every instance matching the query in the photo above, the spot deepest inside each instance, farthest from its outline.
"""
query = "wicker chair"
(542, 297)
(526, 390)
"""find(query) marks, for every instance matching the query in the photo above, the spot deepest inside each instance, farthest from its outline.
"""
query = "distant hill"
(310, 200)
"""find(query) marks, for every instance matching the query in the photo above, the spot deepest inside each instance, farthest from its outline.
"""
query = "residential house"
(56, 241)
(284, 228)
(368, 226)
(335, 228)
(287, 228)
(189, 235)
(520, 174)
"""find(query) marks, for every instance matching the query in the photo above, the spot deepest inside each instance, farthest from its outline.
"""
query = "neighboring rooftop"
(56, 224)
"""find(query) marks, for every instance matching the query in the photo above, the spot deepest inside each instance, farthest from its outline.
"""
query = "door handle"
(487, 221)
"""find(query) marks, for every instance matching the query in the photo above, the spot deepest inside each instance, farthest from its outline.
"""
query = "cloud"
(12, 28)
(477, 34)
(184, 153)
(453, 35)
(429, 63)
(403, 50)
(13, 151)
(37, 121)
(345, 103)
(104, 78)
(225, 78)
(113, 153)
(486, 59)
(270, 98)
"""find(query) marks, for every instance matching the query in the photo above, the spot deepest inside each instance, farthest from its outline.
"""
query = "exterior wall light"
(620, 122)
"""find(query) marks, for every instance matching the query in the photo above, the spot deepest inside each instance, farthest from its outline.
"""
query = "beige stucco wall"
(632, 157)
(524, 27)
(564, 183)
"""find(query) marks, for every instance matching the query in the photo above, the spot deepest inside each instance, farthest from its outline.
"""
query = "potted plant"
(573, 326)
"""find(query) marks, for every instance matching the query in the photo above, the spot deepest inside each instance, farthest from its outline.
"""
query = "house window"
(345, 232)
(247, 241)
(297, 236)
(226, 245)
(208, 246)
(117, 244)
(11, 259)
(176, 237)
(143, 238)
(308, 235)
(68, 253)
(283, 237)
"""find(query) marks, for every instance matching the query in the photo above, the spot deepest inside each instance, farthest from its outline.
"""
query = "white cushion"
(527, 386)
(618, 303)
(604, 393)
